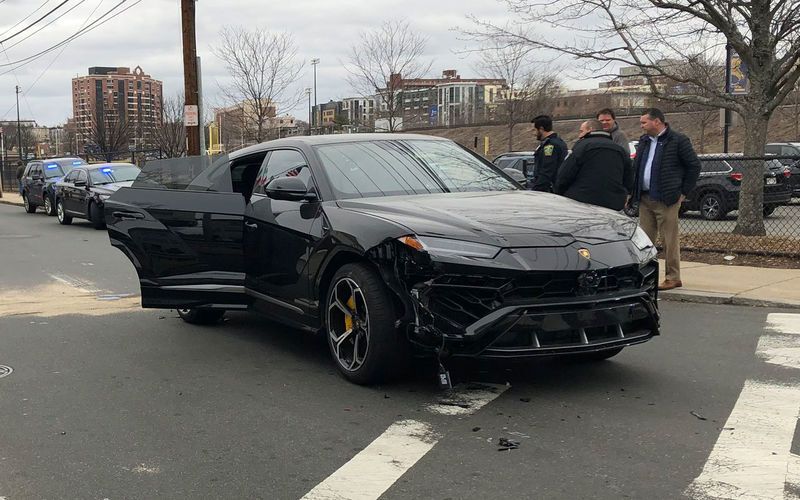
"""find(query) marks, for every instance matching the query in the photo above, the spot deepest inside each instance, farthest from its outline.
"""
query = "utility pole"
(19, 131)
(314, 63)
(190, 78)
(726, 125)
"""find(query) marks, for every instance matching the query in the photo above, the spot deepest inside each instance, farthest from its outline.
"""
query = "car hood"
(111, 188)
(505, 219)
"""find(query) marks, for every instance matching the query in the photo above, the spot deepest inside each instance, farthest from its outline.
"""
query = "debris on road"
(697, 415)
(507, 444)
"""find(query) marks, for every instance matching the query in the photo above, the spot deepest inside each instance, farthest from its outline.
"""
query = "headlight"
(103, 197)
(641, 240)
(450, 248)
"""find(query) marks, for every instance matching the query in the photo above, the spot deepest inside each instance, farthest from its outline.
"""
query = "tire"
(769, 209)
(631, 210)
(201, 316)
(590, 357)
(96, 216)
(368, 313)
(29, 207)
(62, 216)
(682, 211)
(712, 206)
(49, 206)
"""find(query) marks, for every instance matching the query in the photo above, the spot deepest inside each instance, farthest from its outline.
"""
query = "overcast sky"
(149, 35)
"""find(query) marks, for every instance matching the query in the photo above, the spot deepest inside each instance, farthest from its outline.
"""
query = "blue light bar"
(79, 162)
(51, 166)
(106, 170)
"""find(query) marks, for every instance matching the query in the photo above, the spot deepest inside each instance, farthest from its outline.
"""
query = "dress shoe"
(670, 284)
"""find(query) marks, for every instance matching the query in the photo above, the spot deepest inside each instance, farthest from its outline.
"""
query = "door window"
(81, 176)
(284, 163)
(70, 177)
(244, 172)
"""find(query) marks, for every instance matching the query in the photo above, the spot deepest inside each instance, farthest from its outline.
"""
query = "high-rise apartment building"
(117, 98)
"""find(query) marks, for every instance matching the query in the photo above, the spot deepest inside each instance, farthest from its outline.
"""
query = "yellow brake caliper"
(348, 318)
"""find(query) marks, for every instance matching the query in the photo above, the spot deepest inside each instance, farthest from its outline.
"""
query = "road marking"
(466, 399)
(782, 345)
(376, 468)
(752, 457)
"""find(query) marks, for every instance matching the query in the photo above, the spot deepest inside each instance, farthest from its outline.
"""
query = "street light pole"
(19, 130)
(314, 63)
(308, 94)
(727, 112)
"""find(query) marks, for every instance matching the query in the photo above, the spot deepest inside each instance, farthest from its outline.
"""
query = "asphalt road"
(109, 401)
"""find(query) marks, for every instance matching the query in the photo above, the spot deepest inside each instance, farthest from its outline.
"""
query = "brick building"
(117, 96)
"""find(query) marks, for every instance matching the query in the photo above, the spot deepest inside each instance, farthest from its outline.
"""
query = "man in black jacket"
(598, 171)
(667, 169)
(549, 155)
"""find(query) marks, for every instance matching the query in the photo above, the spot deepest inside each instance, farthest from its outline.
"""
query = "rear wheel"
(201, 316)
(360, 325)
(62, 216)
(96, 216)
(29, 207)
(712, 206)
(49, 206)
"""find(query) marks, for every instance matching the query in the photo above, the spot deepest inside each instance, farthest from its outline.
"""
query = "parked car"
(388, 241)
(717, 189)
(39, 179)
(632, 145)
(83, 191)
(517, 164)
(789, 153)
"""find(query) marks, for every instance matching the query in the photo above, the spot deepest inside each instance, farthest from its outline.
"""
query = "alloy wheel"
(26, 203)
(348, 324)
(60, 212)
(711, 208)
(48, 206)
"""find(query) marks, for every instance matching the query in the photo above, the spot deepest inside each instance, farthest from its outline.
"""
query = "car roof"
(96, 166)
(316, 140)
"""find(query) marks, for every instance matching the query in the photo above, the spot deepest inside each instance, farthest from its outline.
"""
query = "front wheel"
(201, 316)
(360, 325)
(61, 214)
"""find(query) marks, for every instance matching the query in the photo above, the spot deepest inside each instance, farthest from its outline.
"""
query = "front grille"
(458, 301)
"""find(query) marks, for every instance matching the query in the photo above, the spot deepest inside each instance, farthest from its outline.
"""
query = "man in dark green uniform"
(549, 155)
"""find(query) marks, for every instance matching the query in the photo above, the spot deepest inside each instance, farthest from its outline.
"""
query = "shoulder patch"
(548, 150)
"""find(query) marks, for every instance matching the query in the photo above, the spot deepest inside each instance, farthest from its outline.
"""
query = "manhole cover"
(5, 371)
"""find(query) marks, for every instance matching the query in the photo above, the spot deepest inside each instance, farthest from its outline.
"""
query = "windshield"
(60, 168)
(113, 173)
(387, 168)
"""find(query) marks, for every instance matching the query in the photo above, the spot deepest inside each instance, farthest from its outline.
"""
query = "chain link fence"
(709, 215)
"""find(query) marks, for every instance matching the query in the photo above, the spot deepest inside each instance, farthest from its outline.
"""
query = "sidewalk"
(704, 283)
(738, 285)
(12, 198)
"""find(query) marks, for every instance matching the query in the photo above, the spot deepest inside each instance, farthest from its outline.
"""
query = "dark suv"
(39, 179)
(788, 154)
(717, 189)
(517, 164)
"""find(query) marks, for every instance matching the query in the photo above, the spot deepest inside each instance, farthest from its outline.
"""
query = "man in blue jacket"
(667, 169)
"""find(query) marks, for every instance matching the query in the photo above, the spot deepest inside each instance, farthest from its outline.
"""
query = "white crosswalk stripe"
(751, 458)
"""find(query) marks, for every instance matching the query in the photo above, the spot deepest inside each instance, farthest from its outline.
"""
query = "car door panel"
(186, 245)
(279, 238)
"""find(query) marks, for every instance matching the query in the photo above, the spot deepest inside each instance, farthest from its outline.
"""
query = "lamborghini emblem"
(584, 253)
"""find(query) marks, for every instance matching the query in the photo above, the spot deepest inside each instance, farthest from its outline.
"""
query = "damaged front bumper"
(535, 313)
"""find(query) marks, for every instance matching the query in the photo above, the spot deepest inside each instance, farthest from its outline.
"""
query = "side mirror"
(290, 189)
(36, 178)
(80, 183)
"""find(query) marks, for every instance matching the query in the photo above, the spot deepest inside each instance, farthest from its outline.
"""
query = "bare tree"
(603, 34)
(10, 141)
(169, 136)
(381, 60)
(264, 71)
(110, 136)
(530, 88)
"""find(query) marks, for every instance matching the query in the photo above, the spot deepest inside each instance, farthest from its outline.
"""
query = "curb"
(724, 299)
(9, 202)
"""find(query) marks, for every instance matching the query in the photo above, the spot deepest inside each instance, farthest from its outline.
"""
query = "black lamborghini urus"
(388, 244)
